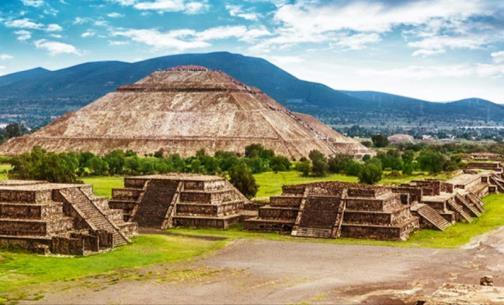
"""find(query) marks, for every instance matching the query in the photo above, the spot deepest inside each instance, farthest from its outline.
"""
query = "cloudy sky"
(432, 49)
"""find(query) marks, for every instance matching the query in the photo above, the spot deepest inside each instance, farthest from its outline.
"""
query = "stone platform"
(58, 218)
(164, 201)
(334, 209)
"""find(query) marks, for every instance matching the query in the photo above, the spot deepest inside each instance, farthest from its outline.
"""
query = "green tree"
(279, 164)
(431, 161)
(304, 167)
(320, 167)
(241, 177)
(371, 173)
(380, 140)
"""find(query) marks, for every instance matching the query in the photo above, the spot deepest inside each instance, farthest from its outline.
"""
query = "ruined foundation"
(58, 218)
(179, 200)
(333, 209)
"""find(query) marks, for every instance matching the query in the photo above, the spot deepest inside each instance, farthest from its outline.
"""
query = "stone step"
(433, 217)
(472, 210)
(312, 232)
(92, 214)
(457, 208)
(476, 202)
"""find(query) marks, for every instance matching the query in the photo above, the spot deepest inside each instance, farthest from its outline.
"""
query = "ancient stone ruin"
(179, 200)
(183, 110)
(334, 209)
(58, 218)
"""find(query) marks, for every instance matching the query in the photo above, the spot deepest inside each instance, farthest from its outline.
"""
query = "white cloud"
(23, 35)
(437, 25)
(82, 20)
(184, 39)
(2, 67)
(161, 6)
(124, 2)
(54, 28)
(237, 11)
(285, 59)
(34, 3)
(23, 23)
(5, 57)
(115, 15)
(88, 34)
(159, 40)
(118, 42)
(56, 48)
(498, 57)
(357, 41)
(438, 71)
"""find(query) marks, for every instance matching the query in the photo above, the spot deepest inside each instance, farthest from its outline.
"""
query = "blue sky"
(437, 50)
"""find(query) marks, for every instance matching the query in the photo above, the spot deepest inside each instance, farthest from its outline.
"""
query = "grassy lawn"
(4, 169)
(103, 186)
(455, 236)
(21, 270)
(270, 183)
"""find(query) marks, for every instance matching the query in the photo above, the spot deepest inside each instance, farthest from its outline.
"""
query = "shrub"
(320, 167)
(371, 173)
(241, 177)
(279, 164)
(380, 140)
(304, 167)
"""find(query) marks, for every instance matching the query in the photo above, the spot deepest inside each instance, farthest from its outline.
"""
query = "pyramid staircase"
(498, 182)
(458, 209)
(92, 214)
(476, 202)
(467, 205)
(156, 206)
(433, 217)
(179, 200)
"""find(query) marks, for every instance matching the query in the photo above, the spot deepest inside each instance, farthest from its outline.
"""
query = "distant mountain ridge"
(36, 94)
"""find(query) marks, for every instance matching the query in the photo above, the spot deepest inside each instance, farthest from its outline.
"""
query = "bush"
(380, 140)
(304, 167)
(338, 163)
(241, 177)
(320, 167)
(279, 164)
(371, 173)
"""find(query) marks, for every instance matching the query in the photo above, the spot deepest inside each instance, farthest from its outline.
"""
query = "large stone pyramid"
(182, 110)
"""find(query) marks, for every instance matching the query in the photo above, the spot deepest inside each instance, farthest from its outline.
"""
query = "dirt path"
(272, 272)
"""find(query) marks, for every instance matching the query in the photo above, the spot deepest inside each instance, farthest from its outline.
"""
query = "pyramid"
(182, 110)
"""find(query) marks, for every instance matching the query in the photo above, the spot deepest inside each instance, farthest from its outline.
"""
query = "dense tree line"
(69, 167)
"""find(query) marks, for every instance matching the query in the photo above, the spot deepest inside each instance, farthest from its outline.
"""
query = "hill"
(37, 95)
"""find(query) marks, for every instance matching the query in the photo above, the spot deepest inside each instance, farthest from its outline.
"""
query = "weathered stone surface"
(184, 110)
(59, 218)
(163, 201)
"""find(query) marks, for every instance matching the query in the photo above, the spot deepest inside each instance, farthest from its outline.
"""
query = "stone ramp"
(154, 210)
(467, 205)
(92, 214)
(319, 216)
(433, 217)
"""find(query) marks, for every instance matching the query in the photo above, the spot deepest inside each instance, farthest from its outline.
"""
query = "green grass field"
(270, 183)
(19, 271)
(455, 236)
(103, 186)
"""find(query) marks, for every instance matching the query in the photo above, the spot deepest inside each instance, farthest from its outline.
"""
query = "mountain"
(37, 95)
